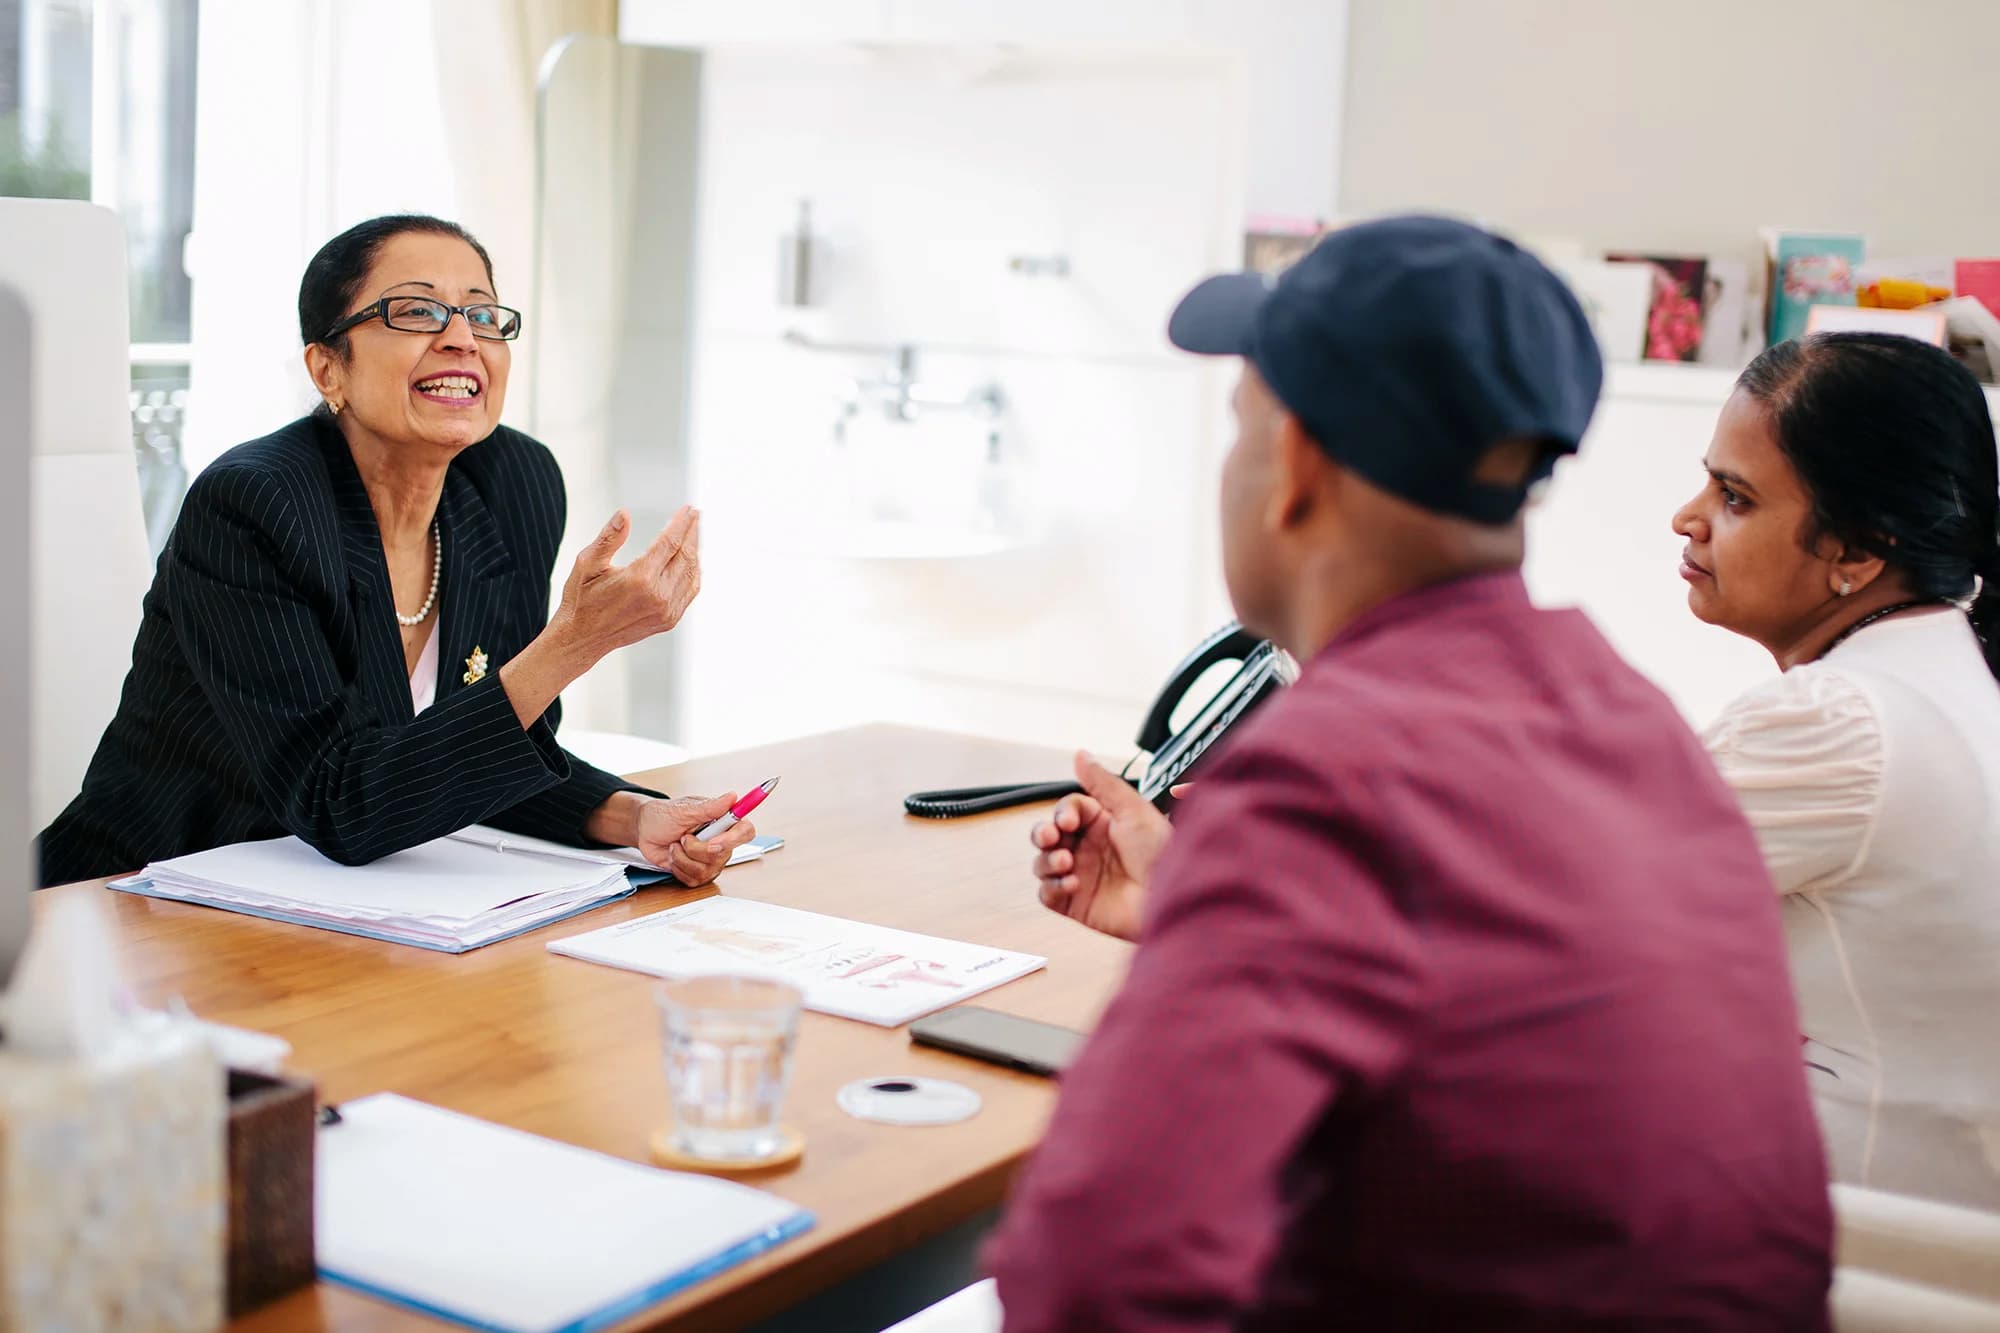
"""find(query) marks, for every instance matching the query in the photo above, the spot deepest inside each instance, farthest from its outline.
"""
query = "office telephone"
(1262, 668)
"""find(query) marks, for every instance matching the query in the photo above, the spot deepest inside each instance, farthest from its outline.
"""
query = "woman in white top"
(1848, 526)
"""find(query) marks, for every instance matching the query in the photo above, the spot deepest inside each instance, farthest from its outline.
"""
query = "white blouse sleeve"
(1803, 754)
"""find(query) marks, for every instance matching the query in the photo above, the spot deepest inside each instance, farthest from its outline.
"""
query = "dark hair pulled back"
(1895, 446)
(332, 281)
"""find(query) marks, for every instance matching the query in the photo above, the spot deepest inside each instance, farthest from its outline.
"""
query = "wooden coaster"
(791, 1147)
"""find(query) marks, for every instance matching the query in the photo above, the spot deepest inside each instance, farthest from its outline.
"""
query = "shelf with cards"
(1677, 382)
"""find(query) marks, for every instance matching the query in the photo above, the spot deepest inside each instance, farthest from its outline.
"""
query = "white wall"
(1680, 127)
(932, 152)
(1611, 123)
(1057, 620)
(1292, 51)
(1601, 538)
(1683, 128)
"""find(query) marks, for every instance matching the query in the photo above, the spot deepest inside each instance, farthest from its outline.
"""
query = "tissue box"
(111, 1186)
(272, 1132)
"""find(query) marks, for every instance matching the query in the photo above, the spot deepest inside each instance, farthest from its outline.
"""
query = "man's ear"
(1300, 474)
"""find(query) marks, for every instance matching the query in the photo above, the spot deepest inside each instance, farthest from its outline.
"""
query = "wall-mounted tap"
(899, 395)
(1040, 266)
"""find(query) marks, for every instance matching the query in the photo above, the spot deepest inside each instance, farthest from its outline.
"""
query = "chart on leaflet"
(847, 968)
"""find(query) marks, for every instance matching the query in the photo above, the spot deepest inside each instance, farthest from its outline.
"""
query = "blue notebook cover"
(497, 1229)
(622, 1308)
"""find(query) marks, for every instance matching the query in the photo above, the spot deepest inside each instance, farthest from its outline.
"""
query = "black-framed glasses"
(422, 314)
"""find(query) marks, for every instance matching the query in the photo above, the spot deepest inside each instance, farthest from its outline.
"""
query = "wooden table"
(571, 1050)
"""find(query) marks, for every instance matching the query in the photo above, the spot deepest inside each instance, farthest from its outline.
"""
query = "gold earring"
(334, 405)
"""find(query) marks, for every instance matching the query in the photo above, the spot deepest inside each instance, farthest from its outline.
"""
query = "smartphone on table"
(1002, 1039)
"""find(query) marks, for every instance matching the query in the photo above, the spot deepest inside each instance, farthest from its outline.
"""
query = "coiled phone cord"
(953, 802)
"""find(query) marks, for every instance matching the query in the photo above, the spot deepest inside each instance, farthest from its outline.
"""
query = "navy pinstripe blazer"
(268, 693)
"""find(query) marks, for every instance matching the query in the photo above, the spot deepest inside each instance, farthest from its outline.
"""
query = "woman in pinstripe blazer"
(278, 685)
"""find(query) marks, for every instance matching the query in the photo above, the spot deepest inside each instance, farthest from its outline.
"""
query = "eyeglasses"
(420, 314)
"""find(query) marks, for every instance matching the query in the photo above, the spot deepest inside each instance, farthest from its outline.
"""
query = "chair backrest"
(17, 875)
(90, 566)
(1914, 1266)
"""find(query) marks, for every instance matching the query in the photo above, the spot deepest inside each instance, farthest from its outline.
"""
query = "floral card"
(1674, 316)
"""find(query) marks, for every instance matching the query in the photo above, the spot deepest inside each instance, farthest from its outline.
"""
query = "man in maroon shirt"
(1460, 1000)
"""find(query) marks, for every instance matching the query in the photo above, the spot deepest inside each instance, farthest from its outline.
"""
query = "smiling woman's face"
(1747, 564)
(442, 389)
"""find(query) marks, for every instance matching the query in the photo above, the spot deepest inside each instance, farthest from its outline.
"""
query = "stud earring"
(334, 405)
(1846, 587)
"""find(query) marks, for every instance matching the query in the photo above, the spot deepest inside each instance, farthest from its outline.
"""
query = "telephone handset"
(1262, 667)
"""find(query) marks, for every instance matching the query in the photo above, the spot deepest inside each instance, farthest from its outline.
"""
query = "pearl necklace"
(437, 568)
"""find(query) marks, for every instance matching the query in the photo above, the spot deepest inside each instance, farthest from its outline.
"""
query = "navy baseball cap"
(1408, 347)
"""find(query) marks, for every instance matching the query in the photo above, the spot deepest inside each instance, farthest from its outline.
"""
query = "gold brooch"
(475, 666)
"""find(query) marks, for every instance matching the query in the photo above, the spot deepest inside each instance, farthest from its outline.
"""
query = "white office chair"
(1905, 1266)
(16, 399)
(1913, 1266)
(66, 259)
(975, 1309)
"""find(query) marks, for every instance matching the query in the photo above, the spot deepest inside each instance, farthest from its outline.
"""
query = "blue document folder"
(501, 1230)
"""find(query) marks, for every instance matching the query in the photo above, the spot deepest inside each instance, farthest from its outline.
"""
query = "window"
(45, 98)
(97, 102)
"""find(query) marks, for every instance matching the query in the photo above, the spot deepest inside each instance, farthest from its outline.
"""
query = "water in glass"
(728, 1043)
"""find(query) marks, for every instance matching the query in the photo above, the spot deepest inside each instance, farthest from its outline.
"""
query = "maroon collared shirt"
(1461, 1003)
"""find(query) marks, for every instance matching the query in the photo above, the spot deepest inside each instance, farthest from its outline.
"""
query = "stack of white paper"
(502, 1230)
(447, 895)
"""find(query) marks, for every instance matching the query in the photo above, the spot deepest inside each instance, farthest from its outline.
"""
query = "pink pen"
(738, 812)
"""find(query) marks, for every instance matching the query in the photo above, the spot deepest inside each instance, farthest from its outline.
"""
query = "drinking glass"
(728, 1045)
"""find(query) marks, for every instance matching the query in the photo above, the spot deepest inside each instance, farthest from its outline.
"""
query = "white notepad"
(501, 1230)
(847, 968)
